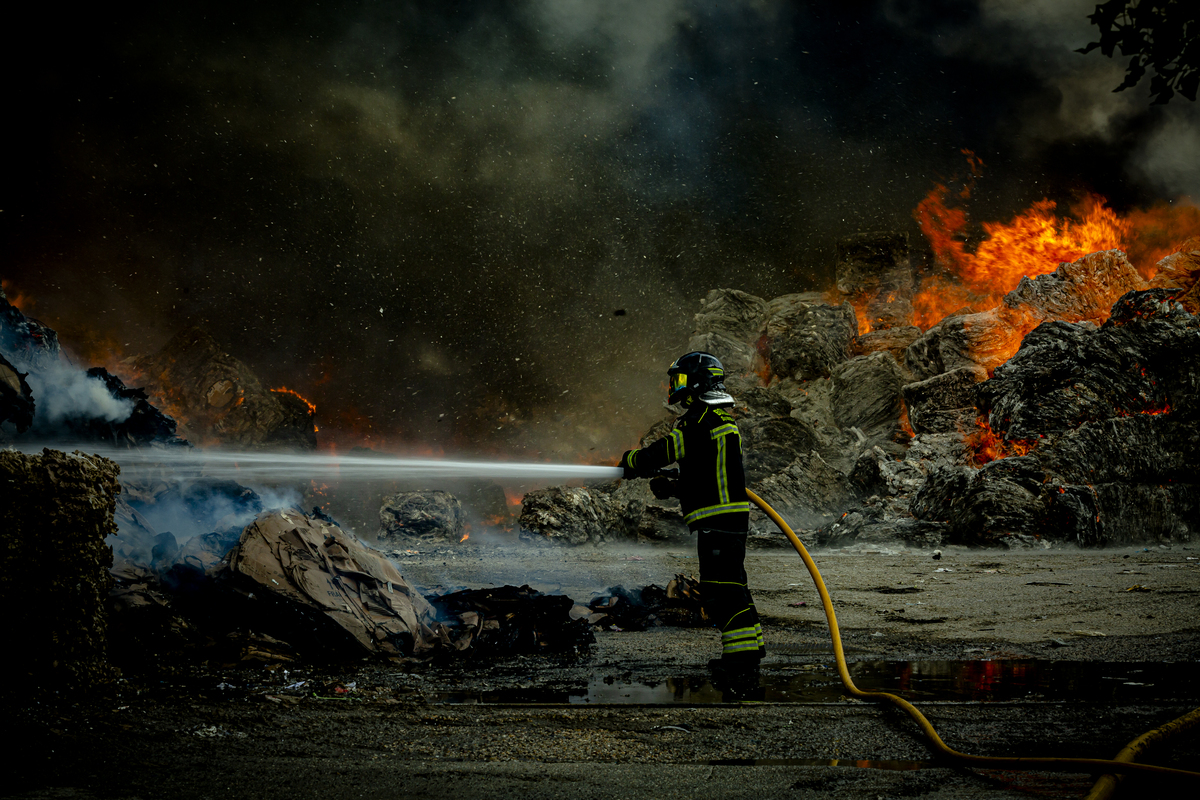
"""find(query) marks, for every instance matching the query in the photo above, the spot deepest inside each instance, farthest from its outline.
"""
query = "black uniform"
(707, 446)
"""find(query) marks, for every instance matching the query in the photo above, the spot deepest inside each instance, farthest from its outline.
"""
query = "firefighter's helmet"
(698, 376)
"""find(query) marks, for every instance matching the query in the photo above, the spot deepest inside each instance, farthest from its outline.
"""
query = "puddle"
(896, 765)
(974, 681)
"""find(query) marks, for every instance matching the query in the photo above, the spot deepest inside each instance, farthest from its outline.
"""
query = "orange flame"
(1158, 231)
(1032, 243)
(312, 409)
(1154, 408)
(984, 445)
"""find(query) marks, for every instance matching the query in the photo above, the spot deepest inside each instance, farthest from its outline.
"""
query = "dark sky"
(423, 215)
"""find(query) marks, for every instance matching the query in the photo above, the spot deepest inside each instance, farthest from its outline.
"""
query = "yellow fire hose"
(1122, 763)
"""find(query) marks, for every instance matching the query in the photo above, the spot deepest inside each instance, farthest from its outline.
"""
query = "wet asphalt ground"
(418, 731)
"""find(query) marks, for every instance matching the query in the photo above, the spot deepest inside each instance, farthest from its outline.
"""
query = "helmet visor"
(678, 381)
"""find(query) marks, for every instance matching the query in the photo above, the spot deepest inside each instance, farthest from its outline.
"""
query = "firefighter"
(711, 487)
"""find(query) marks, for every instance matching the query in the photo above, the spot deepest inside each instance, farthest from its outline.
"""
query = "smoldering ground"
(486, 225)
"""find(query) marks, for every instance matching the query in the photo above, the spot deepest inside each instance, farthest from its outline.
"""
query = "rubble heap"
(1066, 413)
(57, 513)
(509, 621)
(1108, 416)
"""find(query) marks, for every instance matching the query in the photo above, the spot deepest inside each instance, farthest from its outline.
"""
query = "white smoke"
(207, 509)
(62, 392)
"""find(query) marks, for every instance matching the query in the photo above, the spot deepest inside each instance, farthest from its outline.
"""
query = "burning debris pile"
(1068, 412)
(221, 399)
(44, 397)
(296, 583)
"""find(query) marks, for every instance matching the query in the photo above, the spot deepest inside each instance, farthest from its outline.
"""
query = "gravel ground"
(245, 733)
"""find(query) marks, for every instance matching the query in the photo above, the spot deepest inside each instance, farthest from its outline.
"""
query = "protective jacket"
(707, 446)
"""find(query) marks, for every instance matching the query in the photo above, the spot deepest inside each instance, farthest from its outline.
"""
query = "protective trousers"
(725, 596)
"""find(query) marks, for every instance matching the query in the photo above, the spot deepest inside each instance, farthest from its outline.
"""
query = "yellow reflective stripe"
(723, 430)
(676, 443)
(712, 511)
(739, 633)
(722, 472)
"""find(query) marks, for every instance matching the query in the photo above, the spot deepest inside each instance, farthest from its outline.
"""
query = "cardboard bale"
(310, 571)
(54, 579)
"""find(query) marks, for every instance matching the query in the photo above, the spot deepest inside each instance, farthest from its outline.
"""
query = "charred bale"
(1108, 514)
(1181, 271)
(662, 522)
(570, 515)
(1082, 291)
(221, 399)
(1146, 448)
(770, 444)
(56, 515)
(1144, 360)
(806, 340)
(145, 423)
(944, 403)
(941, 497)
(867, 396)
(984, 339)
(1001, 504)
(426, 516)
(808, 490)
(895, 339)
(728, 326)
(733, 314)
(616, 511)
(771, 436)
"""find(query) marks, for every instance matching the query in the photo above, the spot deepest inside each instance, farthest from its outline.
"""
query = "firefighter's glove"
(664, 487)
(625, 464)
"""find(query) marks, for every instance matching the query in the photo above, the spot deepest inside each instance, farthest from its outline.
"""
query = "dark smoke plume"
(424, 216)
